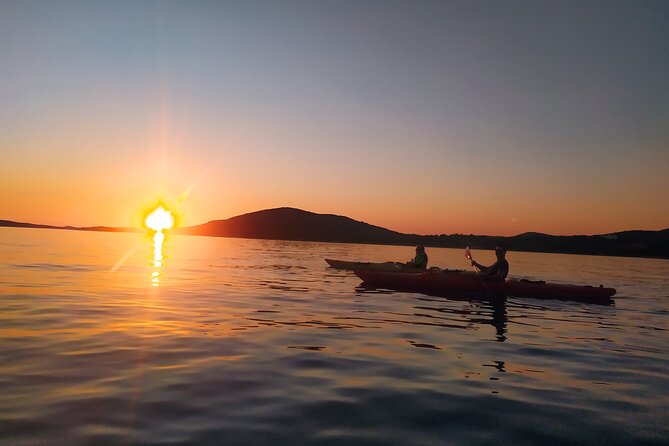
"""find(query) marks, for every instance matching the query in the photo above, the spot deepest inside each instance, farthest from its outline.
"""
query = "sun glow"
(159, 220)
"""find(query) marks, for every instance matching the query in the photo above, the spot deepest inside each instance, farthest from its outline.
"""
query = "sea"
(107, 340)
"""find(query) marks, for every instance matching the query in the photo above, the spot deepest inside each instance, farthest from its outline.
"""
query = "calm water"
(258, 342)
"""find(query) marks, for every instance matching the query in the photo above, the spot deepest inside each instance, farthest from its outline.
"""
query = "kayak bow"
(370, 266)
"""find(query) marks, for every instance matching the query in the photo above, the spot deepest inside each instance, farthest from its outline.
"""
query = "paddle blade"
(468, 253)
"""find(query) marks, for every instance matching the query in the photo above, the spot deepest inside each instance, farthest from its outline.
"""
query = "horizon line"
(138, 228)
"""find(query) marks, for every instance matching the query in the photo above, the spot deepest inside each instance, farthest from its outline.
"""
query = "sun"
(159, 219)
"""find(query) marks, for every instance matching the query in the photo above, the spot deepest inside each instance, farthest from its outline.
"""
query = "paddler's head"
(420, 249)
(500, 252)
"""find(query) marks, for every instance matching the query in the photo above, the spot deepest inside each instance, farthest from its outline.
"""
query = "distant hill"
(296, 224)
(18, 224)
(626, 244)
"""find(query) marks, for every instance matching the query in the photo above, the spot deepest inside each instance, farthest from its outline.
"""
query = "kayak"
(469, 282)
(370, 266)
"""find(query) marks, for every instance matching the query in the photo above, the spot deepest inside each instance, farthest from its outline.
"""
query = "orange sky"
(419, 126)
(110, 187)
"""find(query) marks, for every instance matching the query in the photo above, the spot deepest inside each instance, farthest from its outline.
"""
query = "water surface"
(259, 342)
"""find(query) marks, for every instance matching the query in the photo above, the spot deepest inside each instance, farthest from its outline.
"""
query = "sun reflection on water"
(159, 220)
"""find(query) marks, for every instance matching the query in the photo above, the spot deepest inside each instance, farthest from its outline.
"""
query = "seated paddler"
(420, 261)
(498, 270)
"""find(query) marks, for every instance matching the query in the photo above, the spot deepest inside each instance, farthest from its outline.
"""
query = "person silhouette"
(420, 261)
(498, 270)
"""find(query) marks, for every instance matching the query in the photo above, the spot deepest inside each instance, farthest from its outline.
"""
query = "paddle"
(468, 255)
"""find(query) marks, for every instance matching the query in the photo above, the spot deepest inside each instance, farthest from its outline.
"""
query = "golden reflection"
(159, 220)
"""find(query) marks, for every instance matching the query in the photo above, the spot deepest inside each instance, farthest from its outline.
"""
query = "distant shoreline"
(291, 224)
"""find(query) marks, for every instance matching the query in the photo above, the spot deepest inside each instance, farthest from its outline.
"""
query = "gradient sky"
(427, 117)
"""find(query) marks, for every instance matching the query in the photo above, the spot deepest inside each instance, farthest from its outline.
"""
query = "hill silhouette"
(296, 224)
(19, 224)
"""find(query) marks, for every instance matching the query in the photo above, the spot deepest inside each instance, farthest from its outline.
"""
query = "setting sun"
(159, 219)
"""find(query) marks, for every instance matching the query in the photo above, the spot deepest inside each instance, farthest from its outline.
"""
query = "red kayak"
(468, 282)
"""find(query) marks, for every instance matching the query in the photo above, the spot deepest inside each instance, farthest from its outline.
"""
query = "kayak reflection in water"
(498, 270)
(420, 261)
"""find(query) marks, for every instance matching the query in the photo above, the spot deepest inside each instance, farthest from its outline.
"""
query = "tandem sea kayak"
(370, 266)
(468, 282)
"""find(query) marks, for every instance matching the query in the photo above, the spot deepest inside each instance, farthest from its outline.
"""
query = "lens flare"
(159, 220)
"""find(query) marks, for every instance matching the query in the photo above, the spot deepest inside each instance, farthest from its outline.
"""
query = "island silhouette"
(287, 223)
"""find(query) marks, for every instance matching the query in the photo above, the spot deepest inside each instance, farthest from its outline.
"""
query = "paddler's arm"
(483, 269)
(420, 261)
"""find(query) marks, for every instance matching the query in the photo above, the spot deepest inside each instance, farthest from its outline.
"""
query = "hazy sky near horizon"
(426, 117)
